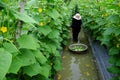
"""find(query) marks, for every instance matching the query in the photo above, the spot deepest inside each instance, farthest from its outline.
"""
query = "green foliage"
(56, 62)
(23, 17)
(102, 21)
(10, 47)
(113, 51)
(2, 5)
(40, 57)
(5, 62)
(45, 70)
(43, 29)
(53, 13)
(114, 69)
(32, 70)
(15, 65)
(26, 57)
(29, 42)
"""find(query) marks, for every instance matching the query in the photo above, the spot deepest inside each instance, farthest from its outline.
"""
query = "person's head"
(77, 16)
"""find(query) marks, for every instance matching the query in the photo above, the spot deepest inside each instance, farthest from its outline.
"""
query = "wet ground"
(78, 66)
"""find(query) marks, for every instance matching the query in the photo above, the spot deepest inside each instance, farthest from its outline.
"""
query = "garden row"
(31, 34)
(102, 20)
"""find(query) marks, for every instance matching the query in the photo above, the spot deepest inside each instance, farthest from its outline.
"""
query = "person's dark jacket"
(76, 27)
(76, 23)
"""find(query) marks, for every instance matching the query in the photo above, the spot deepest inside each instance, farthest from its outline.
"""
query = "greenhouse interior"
(59, 39)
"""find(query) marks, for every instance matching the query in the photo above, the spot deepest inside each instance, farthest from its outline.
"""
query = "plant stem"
(19, 23)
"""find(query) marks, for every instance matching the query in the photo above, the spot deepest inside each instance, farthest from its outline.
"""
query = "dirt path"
(78, 66)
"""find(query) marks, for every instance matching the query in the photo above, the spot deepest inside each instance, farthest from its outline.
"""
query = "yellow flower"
(40, 10)
(3, 29)
(41, 23)
(119, 4)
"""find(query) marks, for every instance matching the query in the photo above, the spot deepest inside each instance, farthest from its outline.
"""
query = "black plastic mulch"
(101, 55)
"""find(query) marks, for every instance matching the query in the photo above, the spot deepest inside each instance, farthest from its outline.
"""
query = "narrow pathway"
(78, 66)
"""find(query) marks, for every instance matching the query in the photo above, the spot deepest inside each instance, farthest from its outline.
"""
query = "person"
(76, 26)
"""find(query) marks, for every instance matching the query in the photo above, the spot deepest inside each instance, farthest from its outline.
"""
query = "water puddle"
(78, 66)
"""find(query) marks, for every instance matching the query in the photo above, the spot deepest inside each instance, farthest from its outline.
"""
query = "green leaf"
(10, 47)
(93, 27)
(114, 78)
(28, 42)
(58, 22)
(23, 17)
(117, 31)
(113, 59)
(108, 31)
(15, 65)
(26, 57)
(118, 63)
(57, 64)
(4, 78)
(32, 2)
(40, 77)
(52, 48)
(32, 69)
(89, 19)
(45, 70)
(113, 51)
(106, 40)
(114, 18)
(40, 57)
(5, 62)
(56, 53)
(101, 23)
(45, 30)
(53, 14)
(2, 5)
(114, 69)
(1, 38)
(54, 34)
